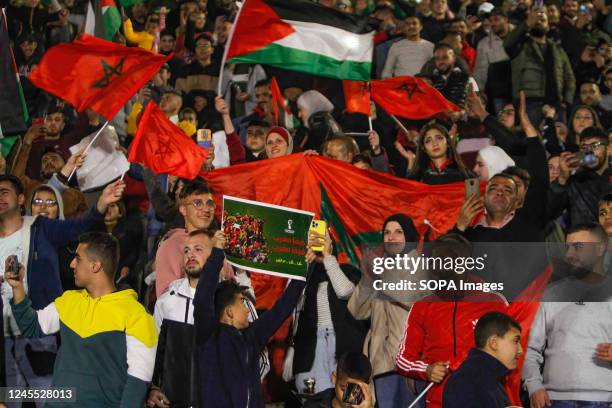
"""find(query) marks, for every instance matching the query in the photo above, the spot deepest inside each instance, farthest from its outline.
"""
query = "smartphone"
(472, 187)
(12, 267)
(538, 4)
(583, 9)
(204, 138)
(318, 226)
(38, 121)
(585, 158)
(353, 394)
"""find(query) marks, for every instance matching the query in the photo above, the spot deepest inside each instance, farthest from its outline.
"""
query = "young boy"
(478, 381)
(228, 345)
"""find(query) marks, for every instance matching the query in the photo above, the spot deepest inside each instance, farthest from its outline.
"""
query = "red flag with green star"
(96, 74)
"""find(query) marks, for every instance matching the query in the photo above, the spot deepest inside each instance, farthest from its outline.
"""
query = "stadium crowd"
(133, 276)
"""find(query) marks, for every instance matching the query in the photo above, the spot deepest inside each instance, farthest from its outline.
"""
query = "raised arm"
(204, 301)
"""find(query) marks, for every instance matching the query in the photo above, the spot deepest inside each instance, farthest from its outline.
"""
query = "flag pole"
(87, 148)
(227, 46)
(421, 395)
(400, 124)
(369, 85)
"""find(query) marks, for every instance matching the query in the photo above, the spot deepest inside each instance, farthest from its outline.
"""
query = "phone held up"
(12, 266)
(319, 227)
(472, 187)
(204, 138)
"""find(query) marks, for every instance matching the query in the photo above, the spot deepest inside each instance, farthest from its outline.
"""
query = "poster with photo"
(266, 238)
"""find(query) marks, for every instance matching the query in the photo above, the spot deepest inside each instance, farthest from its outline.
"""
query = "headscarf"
(312, 102)
(495, 159)
(410, 232)
(284, 133)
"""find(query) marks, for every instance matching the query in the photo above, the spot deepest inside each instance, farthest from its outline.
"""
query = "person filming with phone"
(351, 384)
(584, 177)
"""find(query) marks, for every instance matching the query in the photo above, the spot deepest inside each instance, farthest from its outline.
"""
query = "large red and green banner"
(354, 202)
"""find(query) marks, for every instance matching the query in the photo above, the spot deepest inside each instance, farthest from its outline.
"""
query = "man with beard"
(560, 367)
(447, 78)
(54, 133)
(174, 380)
(540, 67)
(54, 170)
(196, 205)
(588, 280)
(407, 56)
(583, 181)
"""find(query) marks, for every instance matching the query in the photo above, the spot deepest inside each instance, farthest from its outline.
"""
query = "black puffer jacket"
(453, 86)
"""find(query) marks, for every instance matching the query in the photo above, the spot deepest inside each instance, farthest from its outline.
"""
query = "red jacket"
(442, 331)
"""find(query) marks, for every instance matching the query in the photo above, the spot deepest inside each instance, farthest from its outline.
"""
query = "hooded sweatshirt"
(496, 159)
(108, 346)
(58, 198)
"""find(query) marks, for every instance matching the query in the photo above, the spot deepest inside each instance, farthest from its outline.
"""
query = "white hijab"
(495, 159)
(312, 102)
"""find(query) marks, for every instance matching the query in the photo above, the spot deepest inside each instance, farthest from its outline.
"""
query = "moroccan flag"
(357, 96)
(163, 147)
(103, 19)
(410, 98)
(13, 111)
(301, 35)
(328, 188)
(96, 74)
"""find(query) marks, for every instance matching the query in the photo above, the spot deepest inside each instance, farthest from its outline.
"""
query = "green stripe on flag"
(6, 145)
(312, 63)
(328, 213)
(129, 3)
(112, 22)
(24, 106)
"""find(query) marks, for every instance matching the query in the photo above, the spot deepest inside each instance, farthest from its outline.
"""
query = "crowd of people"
(133, 275)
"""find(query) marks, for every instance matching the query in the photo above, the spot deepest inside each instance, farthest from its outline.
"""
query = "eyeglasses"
(583, 117)
(201, 204)
(205, 45)
(506, 112)
(44, 203)
(590, 147)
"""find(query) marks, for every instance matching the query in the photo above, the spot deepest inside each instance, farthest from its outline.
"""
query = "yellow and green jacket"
(108, 346)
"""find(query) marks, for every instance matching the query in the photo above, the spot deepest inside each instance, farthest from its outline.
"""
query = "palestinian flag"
(13, 110)
(103, 19)
(300, 35)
